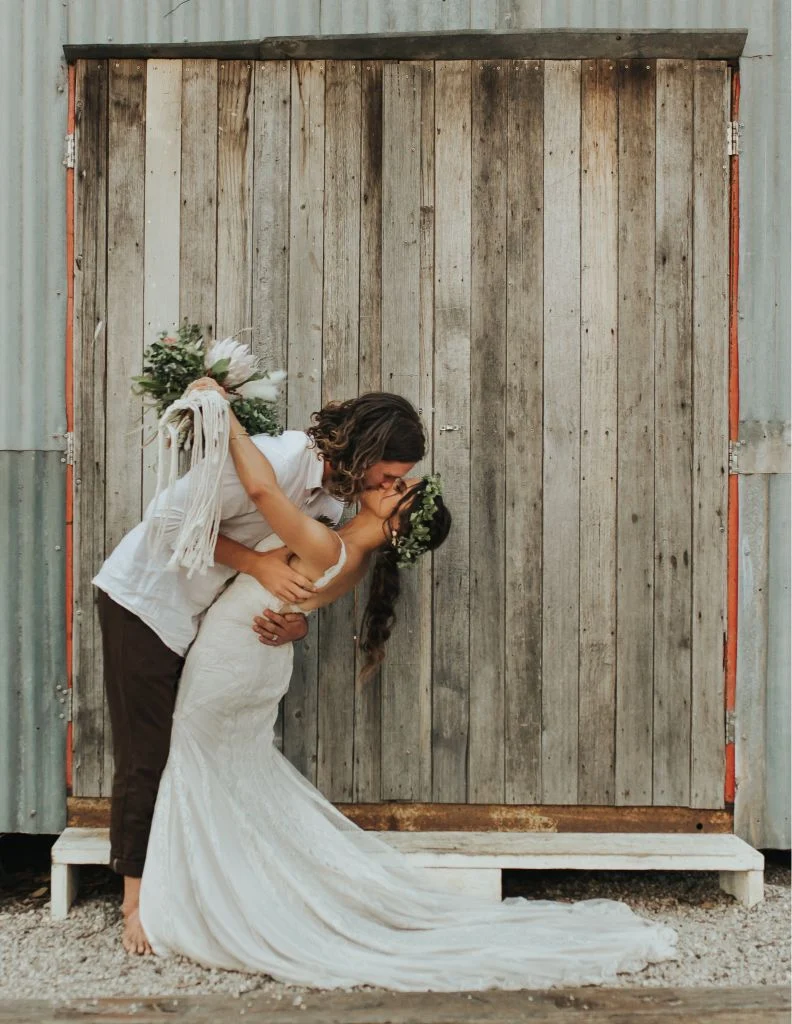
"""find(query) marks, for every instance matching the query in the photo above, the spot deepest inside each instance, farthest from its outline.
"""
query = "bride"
(249, 868)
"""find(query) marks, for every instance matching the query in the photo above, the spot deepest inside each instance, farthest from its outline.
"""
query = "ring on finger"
(273, 637)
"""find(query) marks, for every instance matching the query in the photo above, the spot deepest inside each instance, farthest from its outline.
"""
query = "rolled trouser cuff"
(127, 868)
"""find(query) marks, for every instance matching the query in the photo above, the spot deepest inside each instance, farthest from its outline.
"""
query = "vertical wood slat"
(339, 381)
(270, 243)
(523, 455)
(368, 695)
(489, 122)
(598, 423)
(162, 206)
(91, 734)
(125, 305)
(198, 223)
(270, 227)
(673, 427)
(561, 487)
(710, 429)
(405, 755)
(425, 403)
(235, 114)
(635, 474)
(451, 610)
(125, 270)
(306, 260)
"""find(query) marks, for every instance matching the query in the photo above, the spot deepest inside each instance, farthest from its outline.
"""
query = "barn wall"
(33, 290)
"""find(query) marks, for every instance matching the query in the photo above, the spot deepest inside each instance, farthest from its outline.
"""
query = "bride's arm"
(311, 541)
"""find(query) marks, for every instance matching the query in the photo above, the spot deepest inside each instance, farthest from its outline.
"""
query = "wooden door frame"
(545, 44)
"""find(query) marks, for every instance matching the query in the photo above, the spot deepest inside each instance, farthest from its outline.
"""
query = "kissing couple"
(229, 855)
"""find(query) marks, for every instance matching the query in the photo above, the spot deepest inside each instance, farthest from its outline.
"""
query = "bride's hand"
(207, 384)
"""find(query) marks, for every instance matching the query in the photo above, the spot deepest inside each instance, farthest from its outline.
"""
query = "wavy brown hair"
(354, 435)
(379, 616)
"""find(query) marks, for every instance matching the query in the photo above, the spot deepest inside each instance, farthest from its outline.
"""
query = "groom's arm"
(270, 568)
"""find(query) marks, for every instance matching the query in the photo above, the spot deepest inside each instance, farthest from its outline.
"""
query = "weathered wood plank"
(368, 695)
(198, 224)
(406, 762)
(673, 426)
(599, 306)
(461, 817)
(710, 429)
(270, 243)
(339, 381)
(125, 331)
(538, 44)
(635, 486)
(489, 120)
(451, 612)
(91, 728)
(270, 253)
(523, 456)
(125, 307)
(235, 85)
(163, 208)
(561, 485)
(306, 261)
(643, 1005)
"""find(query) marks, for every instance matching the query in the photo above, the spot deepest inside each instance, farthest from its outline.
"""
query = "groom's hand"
(274, 573)
(274, 629)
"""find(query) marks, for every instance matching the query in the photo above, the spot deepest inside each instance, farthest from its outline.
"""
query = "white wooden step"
(473, 861)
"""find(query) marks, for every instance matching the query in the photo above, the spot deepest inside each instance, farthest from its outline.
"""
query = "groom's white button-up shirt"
(140, 580)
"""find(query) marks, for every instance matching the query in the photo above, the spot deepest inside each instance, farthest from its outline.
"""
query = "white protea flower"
(242, 364)
(268, 388)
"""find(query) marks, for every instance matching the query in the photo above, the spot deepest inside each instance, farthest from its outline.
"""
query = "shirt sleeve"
(172, 503)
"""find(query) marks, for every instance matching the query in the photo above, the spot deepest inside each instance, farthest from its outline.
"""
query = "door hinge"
(733, 130)
(69, 437)
(730, 726)
(68, 152)
(69, 703)
(734, 456)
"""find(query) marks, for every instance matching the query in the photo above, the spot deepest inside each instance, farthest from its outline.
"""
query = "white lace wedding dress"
(250, 868)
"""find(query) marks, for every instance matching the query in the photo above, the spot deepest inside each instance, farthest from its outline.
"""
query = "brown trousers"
(141, 677)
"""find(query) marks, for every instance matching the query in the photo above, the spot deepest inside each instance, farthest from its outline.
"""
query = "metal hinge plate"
(730, 727)
(69, 436)
(733, 138)
(734, 456)
(68, 152)
(69, 704)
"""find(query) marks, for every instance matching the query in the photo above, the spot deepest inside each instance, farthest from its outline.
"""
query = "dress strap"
(334, 570)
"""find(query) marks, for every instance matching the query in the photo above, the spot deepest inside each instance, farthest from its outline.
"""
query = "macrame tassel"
(195, 544)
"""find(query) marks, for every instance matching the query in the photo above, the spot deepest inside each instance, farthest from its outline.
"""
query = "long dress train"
(250, 868)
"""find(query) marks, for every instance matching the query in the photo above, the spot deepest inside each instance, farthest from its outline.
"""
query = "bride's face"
(384, 501)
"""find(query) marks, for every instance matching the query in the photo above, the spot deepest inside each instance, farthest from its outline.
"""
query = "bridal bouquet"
(175, 360)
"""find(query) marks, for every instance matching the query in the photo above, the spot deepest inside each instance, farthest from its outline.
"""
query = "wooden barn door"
(536, 254)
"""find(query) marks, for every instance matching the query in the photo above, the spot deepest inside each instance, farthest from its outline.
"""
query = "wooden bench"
(473, 861)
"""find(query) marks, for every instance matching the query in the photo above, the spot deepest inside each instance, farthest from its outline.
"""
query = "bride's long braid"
(379, 616)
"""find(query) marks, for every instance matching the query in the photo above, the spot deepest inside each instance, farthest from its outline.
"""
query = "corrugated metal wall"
(32, 311)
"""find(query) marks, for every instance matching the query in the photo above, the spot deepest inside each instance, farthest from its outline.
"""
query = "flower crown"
(411, 546)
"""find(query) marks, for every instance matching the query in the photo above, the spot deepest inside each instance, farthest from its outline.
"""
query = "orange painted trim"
(69, 388)
(733, 524)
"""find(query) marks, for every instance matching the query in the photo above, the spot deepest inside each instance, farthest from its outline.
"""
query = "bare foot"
(134, 938)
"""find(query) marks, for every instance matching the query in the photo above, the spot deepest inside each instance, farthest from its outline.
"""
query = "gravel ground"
(720, 942)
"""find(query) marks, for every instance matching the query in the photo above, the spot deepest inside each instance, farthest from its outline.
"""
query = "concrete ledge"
(473, 861)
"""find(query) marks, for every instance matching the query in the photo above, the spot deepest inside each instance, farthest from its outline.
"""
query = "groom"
(150, 613)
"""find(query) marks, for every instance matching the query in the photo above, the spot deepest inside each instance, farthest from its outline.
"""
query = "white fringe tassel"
(195, 544)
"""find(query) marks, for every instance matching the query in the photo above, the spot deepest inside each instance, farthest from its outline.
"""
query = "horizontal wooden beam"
(85, 812)
(542, 44)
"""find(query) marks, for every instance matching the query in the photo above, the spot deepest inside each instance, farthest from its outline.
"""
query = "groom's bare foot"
(134, 938)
